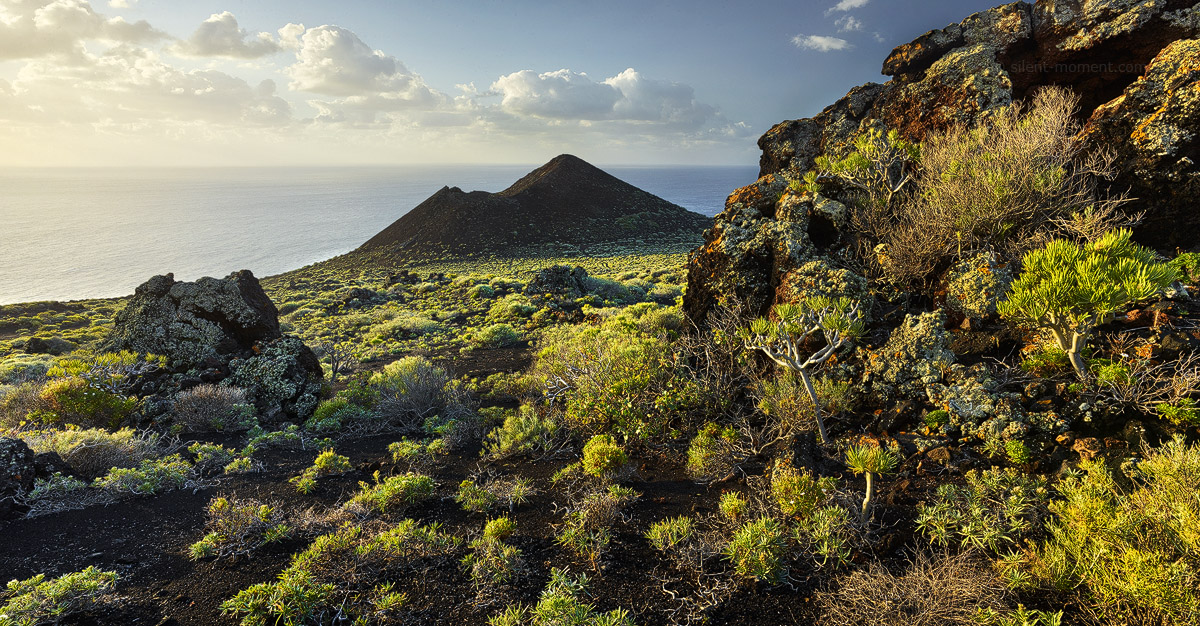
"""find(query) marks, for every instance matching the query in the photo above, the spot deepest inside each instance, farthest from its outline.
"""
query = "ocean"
(69, 234)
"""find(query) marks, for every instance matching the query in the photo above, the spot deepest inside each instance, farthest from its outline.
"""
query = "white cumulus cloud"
(820, 43)
(849, 5)
(220, 36)
(333, 61)
(849, 24)
(30, 29)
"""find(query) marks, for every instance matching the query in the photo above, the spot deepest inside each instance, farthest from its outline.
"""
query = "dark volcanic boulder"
(222, 331)
(1155, 129)
(17, 471)
(190, 323)
(283, 378)
(560, 281)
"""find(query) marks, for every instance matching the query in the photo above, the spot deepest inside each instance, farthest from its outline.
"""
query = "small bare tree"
(803, 336)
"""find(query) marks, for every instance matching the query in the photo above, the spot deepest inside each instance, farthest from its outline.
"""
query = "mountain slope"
(566, 202)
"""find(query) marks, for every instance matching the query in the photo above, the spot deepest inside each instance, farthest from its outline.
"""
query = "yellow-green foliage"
(73, 400)
(994, 510)
(344, 574)
(757, 549)
(327, 463)
(670, 532)
(391, 494)
(1069, 289)
(1131, 550)
(798, 492)
(523, 432)
(93, 452)
(620, 375)
(239, 527)
(710, 454)
(36, 600)
(561, 604)
(603, 457)
(151, 476)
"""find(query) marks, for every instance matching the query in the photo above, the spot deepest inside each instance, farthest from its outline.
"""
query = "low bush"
(333, 415)
(603, 457)
(797, 493)
(239, 527)
(150, 477)
(757, 550)
(585, 529)
(941, 591)
(1130, 551)
(344, 576)
(39, 601)
(497, 336)
(492, 561)
(524, 431)
(390, 495)
(75, 400)
(561, 605)
(212, 407)
(710, 454)
(327, 463)
(670, 532)
(93, 452)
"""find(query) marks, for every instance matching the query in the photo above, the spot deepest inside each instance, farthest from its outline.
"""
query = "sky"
(389, 82)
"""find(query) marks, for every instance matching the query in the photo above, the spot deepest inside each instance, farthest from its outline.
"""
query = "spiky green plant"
(1070, 289)
(786, 338)
(871, 461)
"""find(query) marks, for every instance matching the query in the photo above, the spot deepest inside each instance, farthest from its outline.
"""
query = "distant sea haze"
(70, 234)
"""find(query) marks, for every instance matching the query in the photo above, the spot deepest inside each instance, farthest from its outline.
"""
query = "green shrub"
(497, 336)
(1068, 289)
(493, 562)
(345, 575)
(332, 415)
(1184, 412)
(798, 492)
(74, 400)
(210, 456)
(585, 530)
(327, 463)
(756, 550)
(995, 510)
(603, 457)
(474, 498)
(936, 419)
(239, 527)
(93, 452)
(151, 476)
(39, 601)
(390, 495)
(828, 534)
(733, 506)
(523, 432)
(710, 455)
(561, 605)
(1018, 452)
(616, 378)
(1131, 552)
(670, 532)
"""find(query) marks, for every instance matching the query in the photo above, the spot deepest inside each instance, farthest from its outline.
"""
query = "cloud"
(333, 61)
(121, 4)
(849, 5)
(628, 96)
(820, 43)
(849, 24)
(31, 29)
(132, 89)
(220, 36)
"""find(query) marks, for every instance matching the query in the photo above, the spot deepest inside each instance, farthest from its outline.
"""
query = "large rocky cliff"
(1134, 63)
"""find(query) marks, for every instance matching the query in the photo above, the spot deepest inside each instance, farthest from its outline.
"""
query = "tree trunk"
(812, 394)
(1075, 353)
(867, 499)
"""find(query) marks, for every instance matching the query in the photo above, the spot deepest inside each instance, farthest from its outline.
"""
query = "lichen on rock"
(283, 377)
(976, 285)
(916, 355)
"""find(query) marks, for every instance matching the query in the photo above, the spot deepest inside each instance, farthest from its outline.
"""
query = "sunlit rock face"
(1133, 64)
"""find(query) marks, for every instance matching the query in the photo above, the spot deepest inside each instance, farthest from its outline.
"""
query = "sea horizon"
(87, 232)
